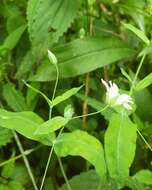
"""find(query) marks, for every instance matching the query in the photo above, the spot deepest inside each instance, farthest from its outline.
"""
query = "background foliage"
(91, 39)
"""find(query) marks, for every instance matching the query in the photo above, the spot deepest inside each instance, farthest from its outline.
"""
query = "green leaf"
(51, 125)
(20, 174)
(120, 145)
(134, 184)
(5, 136)
(45, 30)
(11, 41)
(138, 32)
(143, 100)
(12, 185)
(25, 66)
(82, 56)
(65, 95)
(141, 180)
(144, 83)
(90, 181)
(14, 98)
(25, 123)
(15, 185)
(80, 143)
(144, 177)
(7, 169)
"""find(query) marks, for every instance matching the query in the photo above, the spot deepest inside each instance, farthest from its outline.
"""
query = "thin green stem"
(54, 91)
(64, 174)
(27, 152)
(90, 114)
(131, 91)
(47, 166)
(25, 160)
(49, 159)
(50, 115)
(143, 138)
(136, 75)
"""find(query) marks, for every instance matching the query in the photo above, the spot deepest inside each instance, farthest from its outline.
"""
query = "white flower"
(124, 100)
(114, 98)
(112, 91)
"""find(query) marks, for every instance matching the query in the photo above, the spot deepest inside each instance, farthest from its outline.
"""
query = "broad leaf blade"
(90, 181)
(80, 143)
(89, 54)
(120, 144)
(25, 123)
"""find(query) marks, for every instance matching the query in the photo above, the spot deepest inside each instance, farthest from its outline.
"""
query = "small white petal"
(114, 98)
(127, 106)
(124, 100)
(105, 84)
(112, 91)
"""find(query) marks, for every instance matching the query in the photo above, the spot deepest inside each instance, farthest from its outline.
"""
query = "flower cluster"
(114, 98)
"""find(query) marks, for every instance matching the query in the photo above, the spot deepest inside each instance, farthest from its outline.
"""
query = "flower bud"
(52, 58)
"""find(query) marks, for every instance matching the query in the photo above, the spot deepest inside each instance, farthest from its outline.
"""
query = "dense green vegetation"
(61, 126)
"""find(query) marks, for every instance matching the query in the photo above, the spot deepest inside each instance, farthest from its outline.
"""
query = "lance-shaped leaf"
(120, 145)
(51, 125)
(83, 55)
(11, 41)
(25, 123)
(14, 98)
(80, 143)
(65, 95)
(138, 32)
(144, 83)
